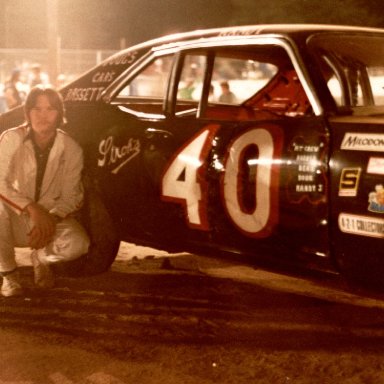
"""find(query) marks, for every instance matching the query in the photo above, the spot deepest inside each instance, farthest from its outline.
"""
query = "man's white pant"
(69, 242)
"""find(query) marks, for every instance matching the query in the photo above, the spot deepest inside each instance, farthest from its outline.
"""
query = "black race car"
(256, 142)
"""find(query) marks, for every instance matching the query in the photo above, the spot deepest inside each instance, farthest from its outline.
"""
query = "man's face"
(43, 116)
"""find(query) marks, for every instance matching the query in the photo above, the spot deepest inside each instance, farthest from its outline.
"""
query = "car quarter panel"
(357, 195)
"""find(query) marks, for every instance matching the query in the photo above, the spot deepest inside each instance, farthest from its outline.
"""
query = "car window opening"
(243, 85)
(353, 69)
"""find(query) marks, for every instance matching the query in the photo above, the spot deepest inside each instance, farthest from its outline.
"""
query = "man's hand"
(44, 225)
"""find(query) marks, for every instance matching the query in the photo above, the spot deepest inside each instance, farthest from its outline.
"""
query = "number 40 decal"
(184, 180)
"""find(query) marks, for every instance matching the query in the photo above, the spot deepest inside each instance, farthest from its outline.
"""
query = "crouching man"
(40, 189)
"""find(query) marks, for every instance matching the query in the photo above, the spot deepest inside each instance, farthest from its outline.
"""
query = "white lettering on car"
(119, 155)
(103, 77)
(307, 171)
(126, 59)
(84, 94)
(184, 180)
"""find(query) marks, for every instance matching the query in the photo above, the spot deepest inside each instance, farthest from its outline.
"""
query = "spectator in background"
(61, 81)
(187, 91)
(12, 90)
(211, 94)
(3, 104)
(37, 77)
(227, 96)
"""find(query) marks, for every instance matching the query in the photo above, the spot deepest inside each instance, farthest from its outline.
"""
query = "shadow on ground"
(150, 302)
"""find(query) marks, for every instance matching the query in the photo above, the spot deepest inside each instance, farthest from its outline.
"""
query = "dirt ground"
(187, 319)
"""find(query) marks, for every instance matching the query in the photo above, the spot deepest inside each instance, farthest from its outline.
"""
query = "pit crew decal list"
(307, 180)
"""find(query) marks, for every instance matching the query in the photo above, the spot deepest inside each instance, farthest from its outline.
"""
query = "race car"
(261, 142)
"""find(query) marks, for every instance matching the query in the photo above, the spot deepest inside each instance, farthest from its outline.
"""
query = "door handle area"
(151, 133)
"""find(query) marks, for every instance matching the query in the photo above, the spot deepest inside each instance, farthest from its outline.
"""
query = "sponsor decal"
(361, 225)
(117, 156)
(376, 200)
(376, 165)
(239, 32)
(349, 181)
(363, 142)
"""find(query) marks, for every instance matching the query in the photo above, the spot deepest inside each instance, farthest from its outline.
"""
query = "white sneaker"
(44, 277)
(11, 285)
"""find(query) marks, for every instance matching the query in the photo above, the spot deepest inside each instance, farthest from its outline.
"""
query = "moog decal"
(117, 156)
(363, 142)
(361, 225)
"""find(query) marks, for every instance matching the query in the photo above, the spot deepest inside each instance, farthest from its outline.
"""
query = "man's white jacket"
(61, 191)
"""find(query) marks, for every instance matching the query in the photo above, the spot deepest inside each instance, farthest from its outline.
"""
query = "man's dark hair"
(54, 98)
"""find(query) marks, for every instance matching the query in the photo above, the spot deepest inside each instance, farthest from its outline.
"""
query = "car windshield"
(353, 68)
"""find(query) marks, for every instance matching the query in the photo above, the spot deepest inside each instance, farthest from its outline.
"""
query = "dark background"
(112, 24)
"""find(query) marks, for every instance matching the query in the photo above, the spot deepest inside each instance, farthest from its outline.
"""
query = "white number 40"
(184, 181)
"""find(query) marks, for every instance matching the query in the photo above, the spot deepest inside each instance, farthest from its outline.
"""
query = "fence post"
(53, 41)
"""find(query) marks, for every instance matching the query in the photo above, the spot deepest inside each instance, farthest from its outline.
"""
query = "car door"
(246, 175)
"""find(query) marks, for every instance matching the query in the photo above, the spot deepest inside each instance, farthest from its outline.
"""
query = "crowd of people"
(226, 95)
(14, 90)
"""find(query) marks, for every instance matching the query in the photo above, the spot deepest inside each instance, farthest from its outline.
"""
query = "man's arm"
(44, 225)
(72, 193)
(10, 142)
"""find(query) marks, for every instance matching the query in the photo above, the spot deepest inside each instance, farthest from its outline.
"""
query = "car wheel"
(104, 240)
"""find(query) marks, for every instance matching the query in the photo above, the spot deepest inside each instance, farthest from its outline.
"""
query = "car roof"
(117, 63)
(283, 30)
(252, 30)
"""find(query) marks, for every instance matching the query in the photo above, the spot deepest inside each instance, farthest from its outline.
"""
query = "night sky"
(103, 24)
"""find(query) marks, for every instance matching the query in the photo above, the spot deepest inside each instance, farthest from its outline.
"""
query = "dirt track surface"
(178, 320)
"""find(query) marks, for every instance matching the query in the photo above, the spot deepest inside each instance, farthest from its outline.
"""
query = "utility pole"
(53, 41)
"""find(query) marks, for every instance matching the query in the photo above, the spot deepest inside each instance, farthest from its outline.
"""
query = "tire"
(104, 240)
